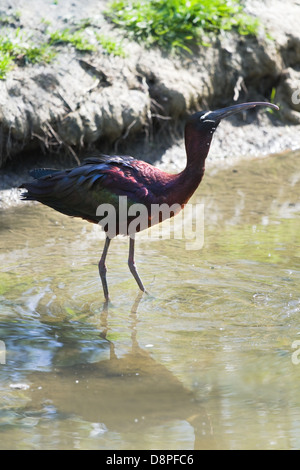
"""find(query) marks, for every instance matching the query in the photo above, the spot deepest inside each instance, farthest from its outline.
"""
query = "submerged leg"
(102, 268)
(132, 266)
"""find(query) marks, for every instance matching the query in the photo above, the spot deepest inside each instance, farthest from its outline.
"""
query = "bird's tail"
(37, 189)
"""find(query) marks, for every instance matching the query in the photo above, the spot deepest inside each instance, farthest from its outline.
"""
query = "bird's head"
(200, 127)
(211, 119)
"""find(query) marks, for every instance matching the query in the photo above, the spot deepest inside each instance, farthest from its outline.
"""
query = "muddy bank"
(93, 101)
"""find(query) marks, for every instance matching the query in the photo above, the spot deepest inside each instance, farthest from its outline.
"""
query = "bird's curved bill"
(237, 108)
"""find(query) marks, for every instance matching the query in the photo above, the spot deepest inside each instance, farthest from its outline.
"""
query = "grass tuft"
(39, 53)
(6, 64)
(17, 49)
(110, 45)
(76, 38)
(177, 24)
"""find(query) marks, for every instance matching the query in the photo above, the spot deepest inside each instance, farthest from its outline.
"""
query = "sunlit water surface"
(208, 360)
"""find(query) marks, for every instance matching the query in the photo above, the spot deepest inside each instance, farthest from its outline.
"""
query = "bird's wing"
(79, 191)
(124, 160)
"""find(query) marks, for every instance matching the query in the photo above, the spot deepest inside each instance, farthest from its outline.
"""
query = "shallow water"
(208, 360)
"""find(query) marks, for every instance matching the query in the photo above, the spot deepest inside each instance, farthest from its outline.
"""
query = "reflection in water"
(205, 362)
(121, 394)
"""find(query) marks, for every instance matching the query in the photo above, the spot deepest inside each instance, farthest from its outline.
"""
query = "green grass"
(40, 53)
(170, 24)
(76, 38)
(272, 100)
(10, 45)
(173, 24)
(6, 64)
(15, 48)
(79, 40)
(110, 45)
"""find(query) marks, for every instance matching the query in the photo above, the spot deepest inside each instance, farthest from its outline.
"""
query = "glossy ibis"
(80, 191)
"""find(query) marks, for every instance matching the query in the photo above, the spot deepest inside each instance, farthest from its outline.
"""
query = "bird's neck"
(197, 148)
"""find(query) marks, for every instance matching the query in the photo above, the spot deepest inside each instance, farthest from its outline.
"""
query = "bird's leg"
(131, 264)
(102, 268)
